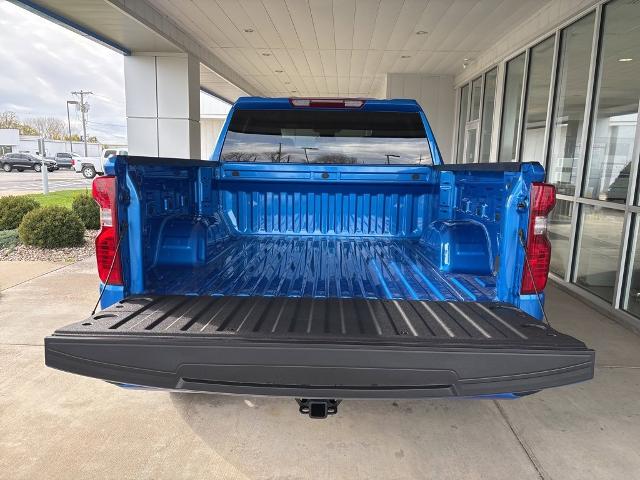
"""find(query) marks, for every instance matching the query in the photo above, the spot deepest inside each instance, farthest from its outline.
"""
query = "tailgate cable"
(550, 330)
(113, 262)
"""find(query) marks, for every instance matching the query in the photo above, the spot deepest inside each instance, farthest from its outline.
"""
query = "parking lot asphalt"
(58, 425)
(16, 183)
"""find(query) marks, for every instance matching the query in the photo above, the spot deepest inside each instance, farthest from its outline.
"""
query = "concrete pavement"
(58, 425)
(13, 273)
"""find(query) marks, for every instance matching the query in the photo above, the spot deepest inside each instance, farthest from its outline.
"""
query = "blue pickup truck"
(324, 252)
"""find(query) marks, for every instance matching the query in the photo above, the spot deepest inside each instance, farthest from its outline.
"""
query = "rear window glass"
(326, 137)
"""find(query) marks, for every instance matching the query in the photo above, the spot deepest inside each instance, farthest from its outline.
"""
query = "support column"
(163, 105)
(436, 96)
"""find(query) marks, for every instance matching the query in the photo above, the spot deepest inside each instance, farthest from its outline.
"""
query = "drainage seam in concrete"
(41, 275)
(542, 474)
(618, 366)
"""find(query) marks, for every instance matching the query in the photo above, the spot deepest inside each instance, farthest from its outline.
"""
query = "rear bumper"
(317, 369)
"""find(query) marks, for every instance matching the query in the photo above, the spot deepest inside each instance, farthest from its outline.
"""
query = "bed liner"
(321, 267)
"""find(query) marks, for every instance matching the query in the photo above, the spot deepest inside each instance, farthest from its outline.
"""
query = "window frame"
(477, 123)
(483, 106)
(523, 91)
(550, 98)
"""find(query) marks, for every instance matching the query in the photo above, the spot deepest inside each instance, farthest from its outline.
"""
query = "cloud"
(41, 63)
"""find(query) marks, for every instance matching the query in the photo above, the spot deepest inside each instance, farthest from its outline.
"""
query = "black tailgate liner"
(304, 347)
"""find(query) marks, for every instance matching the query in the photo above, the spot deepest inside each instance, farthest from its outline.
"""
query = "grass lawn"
(63, 198)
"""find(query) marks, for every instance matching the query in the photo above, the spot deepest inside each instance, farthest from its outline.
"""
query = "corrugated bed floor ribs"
(321, 267)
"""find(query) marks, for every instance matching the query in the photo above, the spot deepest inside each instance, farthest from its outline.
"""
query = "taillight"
(543, 199)
(105, 194)
(327, 102)
(73, 162)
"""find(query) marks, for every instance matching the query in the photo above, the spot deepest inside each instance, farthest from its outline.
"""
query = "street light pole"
(72, 102)
(43, 166)
(84, 107)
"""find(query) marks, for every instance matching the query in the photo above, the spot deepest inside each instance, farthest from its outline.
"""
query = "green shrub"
(13, 209)
(88, 211)
(51, 227)
(8, 238)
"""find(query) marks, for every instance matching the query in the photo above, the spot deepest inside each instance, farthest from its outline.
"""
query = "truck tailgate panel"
(304, 347)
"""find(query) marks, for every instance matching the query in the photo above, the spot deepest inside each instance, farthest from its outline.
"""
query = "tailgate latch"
(318, 407)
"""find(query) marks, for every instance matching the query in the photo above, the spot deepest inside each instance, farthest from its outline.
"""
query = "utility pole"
(84, 108)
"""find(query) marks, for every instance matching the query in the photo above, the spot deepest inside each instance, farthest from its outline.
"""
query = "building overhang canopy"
(321, 48)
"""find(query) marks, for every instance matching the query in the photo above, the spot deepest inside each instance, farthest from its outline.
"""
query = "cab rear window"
(326, 137)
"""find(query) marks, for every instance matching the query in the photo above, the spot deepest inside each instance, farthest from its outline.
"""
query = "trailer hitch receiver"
(318, 407)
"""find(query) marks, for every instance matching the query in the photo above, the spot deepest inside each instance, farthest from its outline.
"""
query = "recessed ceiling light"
(405, 56)
(625, 59)
(279, 71)
(466, 62)
(421, 32)
(294, 91)
(287, 83)
(265, 54)
(248, 30)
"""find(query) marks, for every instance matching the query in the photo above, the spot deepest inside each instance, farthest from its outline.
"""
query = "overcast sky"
(41, 63)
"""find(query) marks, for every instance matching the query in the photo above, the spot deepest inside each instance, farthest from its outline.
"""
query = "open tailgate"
(317, 348)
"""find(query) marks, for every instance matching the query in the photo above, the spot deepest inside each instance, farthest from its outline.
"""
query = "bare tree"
(10, 120)
(339, 158)
(49, 127)
(240, 156)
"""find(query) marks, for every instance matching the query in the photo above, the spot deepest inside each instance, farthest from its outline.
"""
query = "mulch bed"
(68, 254)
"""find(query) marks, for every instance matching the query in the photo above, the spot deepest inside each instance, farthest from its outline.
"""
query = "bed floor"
(321, 267)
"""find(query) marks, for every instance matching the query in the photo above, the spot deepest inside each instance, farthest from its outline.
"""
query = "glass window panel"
(469, 155)
(599, 250)
(487, 114)
(511, 109)
(632, 302)
(535, 116)
(560, 234)
(570, 99)
(476, 90)
(617, 97)
(462, 121)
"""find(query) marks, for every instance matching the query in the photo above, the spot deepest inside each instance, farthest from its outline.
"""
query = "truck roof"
(370, 104)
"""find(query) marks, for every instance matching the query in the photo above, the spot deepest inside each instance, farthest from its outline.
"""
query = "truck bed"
(321, 267)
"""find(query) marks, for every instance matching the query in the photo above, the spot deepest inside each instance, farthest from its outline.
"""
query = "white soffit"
(302, 47)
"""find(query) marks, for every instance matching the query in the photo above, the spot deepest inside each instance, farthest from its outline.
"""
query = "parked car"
(66, 159)
(92, 166)
(325, 253)
(26, 161)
